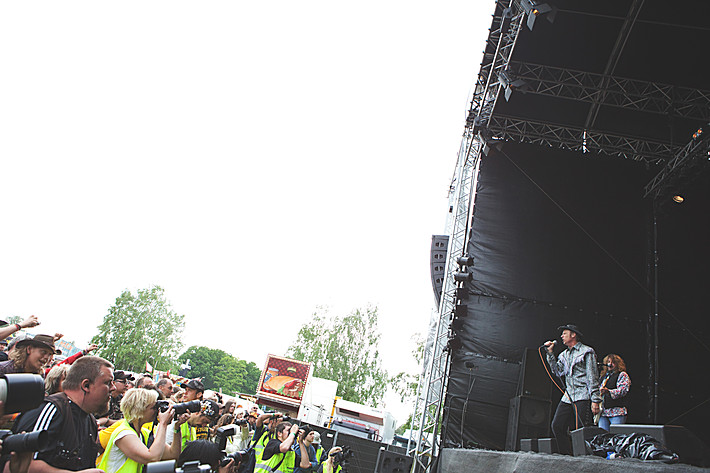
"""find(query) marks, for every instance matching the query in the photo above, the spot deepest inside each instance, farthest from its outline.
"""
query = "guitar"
(601, 405)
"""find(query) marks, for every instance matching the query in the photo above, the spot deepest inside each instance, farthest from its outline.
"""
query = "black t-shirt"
(273, 448)
(78, 453)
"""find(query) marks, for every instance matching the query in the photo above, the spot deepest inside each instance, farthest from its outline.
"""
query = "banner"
(283, 381)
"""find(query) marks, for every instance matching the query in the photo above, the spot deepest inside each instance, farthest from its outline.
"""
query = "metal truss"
(692, 157)
(633, 94)
(432, 388)
(507, 22)
(577, 139)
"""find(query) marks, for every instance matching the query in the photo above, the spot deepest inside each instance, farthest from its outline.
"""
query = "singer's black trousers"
(564, 421)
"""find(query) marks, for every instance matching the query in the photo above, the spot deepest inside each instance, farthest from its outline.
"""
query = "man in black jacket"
(68, 418)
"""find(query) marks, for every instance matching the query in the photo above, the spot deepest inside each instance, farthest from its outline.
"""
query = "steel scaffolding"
(577, 139)
(424, 444)
(650, 97)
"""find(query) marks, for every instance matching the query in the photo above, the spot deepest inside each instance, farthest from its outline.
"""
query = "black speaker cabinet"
(391, 462)
(689, 448)
(437, 263)
(528, 418)
(534, 380)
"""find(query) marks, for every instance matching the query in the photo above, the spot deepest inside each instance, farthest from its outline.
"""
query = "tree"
(140, 328)
(218, 369)
(346, 350)
(406, 384)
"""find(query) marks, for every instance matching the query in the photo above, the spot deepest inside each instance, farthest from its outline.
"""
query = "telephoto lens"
(20, 443)
(182, 407)
(21, 391)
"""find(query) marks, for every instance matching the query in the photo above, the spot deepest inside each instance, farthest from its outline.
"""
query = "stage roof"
(632, 74)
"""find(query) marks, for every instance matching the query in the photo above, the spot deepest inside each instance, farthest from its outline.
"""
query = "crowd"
(101, 419)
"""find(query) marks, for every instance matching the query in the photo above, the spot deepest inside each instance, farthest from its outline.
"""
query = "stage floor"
(459, 460)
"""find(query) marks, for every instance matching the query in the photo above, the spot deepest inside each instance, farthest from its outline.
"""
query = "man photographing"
(578, 365)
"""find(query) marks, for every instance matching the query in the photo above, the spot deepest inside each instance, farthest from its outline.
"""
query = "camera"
(168, 466)
(21, 391)
(342, 457)
(221, 436)
(31, 442)
(162, 405)
(183, 407)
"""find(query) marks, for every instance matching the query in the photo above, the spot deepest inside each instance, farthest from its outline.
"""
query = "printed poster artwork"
(284, 377)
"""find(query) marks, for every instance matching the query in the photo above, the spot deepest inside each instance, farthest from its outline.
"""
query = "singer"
(577, 364)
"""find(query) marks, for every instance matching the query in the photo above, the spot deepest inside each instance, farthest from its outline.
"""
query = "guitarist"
(614, 388)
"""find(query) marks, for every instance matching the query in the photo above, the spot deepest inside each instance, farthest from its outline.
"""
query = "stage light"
(697, 134)
(534, 9)
(509, 84)
(463, 276)
(678, 199)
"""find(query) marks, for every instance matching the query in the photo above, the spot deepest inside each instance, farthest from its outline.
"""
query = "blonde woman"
(127, 448)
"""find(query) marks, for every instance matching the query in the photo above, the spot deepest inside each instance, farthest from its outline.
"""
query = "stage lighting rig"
(535, 9)
(510, 84)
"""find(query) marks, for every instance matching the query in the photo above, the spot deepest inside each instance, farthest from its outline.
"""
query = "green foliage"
(406, 384)
(218, 369)
(346, 350)
(407, 425)
(140, 328)
(14, 319)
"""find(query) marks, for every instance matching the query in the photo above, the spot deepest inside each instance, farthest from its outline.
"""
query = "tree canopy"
(218, 369)
(345, 349)
(141, 327)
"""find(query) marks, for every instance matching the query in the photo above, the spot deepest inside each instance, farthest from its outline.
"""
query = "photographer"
(68, 418)
(265, 431)
(333, 464)
(129, 446)
(239, 441)
(278, 455)
(209, 410)
(308, 439)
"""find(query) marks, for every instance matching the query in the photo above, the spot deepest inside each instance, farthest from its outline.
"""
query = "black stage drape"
(587, 261)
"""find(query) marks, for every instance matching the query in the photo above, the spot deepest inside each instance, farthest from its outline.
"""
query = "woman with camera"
(130, 446)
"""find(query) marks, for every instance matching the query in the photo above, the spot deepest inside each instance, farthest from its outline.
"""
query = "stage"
(459, 460)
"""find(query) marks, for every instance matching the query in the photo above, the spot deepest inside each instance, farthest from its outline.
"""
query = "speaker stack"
(529, 412)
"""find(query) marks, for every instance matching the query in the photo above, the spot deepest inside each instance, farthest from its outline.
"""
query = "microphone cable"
(563, 391)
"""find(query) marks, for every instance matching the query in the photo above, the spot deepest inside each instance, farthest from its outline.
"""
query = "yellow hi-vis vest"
(319, 454)
(279, 463)
(328, 468)
(188, 434)
(260, 445)
(129, 466)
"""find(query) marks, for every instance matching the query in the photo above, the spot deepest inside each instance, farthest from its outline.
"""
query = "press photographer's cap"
(195, 384)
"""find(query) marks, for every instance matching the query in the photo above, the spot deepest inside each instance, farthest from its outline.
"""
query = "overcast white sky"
(255, 159)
